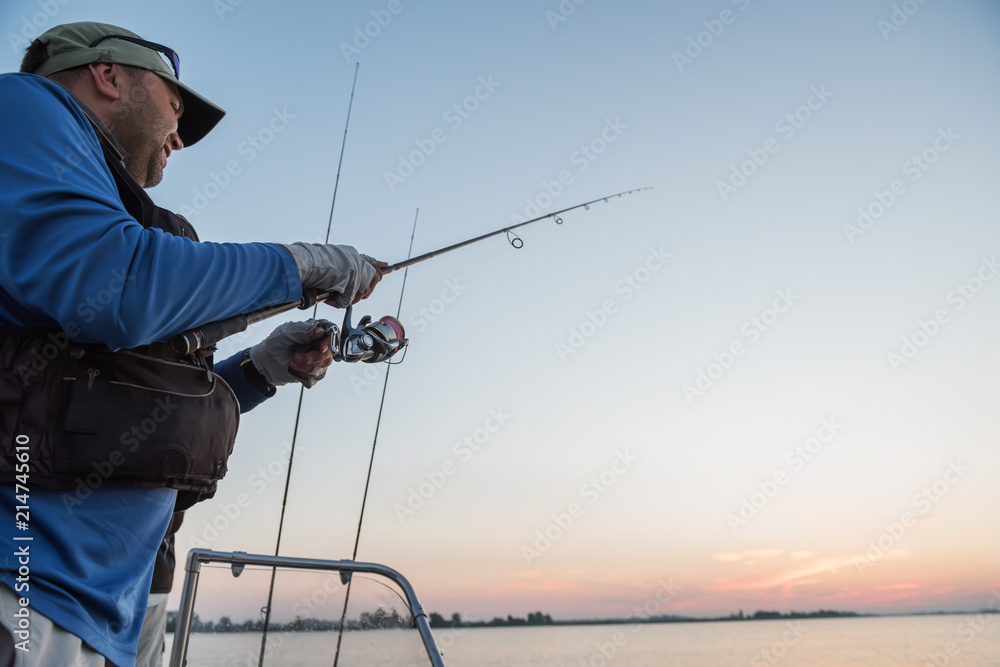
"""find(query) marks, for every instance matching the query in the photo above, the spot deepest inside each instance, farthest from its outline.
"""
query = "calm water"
(956, 641)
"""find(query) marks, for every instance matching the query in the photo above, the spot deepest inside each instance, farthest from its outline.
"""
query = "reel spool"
(369, 342)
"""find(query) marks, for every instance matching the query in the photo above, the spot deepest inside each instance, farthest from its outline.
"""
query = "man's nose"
(175, 141)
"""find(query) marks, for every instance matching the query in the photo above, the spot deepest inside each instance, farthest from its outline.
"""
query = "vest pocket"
(135, 420)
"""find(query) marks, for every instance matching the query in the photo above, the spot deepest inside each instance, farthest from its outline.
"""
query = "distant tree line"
(767, 615)
(382, 619)
(376, 620)
(537, 618)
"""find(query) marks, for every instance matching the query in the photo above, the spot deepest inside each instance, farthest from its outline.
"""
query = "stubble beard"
(142, 134)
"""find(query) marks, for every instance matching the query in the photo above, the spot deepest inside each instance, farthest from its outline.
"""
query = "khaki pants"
(150, 651)
(48, 644)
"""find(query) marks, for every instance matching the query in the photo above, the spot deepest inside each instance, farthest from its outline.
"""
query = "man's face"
(146, 126)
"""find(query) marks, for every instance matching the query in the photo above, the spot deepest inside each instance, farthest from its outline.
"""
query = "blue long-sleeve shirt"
(72, 257)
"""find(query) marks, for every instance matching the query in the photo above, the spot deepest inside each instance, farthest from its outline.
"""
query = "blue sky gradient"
(490, 326)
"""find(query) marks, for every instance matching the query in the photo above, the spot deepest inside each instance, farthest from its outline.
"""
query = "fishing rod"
(371, 342)
(514, 239)
(266, 610)
(371, 460)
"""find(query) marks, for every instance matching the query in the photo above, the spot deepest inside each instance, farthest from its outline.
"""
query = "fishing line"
(302, 390)
(371, 461)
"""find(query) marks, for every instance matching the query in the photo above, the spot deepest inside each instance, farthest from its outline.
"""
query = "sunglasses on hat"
(170, 56)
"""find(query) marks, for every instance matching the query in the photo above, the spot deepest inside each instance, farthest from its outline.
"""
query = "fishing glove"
(338, 269)
(274, 354)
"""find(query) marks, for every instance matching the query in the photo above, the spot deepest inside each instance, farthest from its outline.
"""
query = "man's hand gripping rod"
(206, 336)
(370, 342)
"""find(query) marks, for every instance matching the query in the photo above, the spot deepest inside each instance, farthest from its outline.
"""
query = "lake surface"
(955, 641)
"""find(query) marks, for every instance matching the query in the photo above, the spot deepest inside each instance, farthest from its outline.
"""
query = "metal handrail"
(238, 559)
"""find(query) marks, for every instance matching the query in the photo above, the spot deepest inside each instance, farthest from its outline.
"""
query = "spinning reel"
(370, 342)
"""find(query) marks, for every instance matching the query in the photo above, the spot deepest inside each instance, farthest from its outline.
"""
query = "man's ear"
(108, 79)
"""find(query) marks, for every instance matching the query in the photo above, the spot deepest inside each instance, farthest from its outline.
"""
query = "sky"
(763, 384)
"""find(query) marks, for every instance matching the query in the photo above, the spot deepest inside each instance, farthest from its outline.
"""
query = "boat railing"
(238, 560)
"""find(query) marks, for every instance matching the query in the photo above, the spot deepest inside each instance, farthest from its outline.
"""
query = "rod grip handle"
(208, 335)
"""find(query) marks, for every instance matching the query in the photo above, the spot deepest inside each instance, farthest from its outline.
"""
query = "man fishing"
(105, 430)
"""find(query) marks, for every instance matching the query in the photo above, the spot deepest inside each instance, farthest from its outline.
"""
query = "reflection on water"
(305, 649)
(911, 641)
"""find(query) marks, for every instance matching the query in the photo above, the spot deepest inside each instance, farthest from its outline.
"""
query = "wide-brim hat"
(75, 44)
